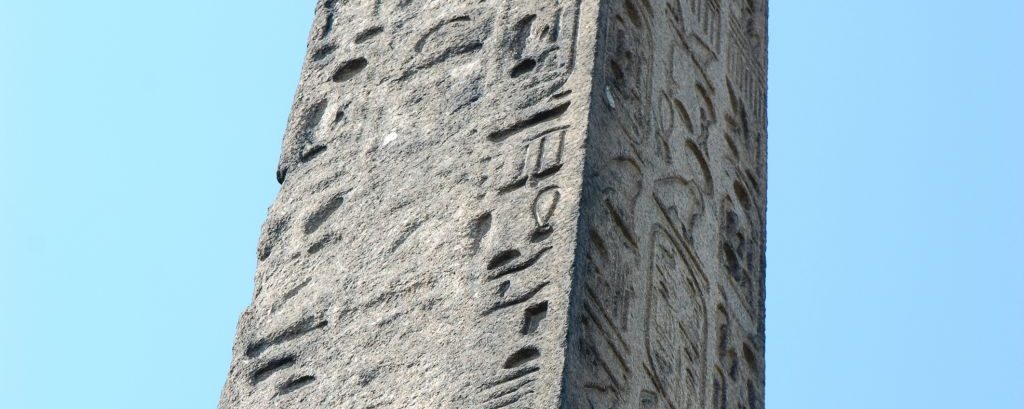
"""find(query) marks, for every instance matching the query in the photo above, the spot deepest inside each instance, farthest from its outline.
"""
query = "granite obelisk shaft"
(517, 204)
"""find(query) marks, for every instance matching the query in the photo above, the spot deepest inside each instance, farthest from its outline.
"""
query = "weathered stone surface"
(516, 204)
(668, 304)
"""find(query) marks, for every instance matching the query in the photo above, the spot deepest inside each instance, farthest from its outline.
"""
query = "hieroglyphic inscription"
(540, 52)
(737, 381)
(429, 173)
(745, 62)
(676, 322)
(516, 204)
(671, 310)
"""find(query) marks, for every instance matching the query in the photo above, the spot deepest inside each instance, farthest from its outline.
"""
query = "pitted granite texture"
(516, 204)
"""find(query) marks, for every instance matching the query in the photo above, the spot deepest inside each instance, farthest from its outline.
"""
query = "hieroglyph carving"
(672, 302)
(516, 204)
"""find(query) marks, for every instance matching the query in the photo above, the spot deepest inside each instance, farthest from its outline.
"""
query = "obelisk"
(517, 204)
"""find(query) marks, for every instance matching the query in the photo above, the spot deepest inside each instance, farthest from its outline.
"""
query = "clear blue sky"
(139, 141)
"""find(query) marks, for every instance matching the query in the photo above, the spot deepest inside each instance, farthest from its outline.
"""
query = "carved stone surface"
(516, 204)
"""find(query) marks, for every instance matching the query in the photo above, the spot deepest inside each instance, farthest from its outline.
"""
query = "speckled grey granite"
(516, 204)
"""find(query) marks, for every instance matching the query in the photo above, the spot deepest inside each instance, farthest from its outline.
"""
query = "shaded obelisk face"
(671, 311)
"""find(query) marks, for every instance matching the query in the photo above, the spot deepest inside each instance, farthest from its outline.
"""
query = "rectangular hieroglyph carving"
(516, 204)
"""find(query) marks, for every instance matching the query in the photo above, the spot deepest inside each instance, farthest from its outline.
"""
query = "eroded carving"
(468, 187)
(676, 214)
(676, 324)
